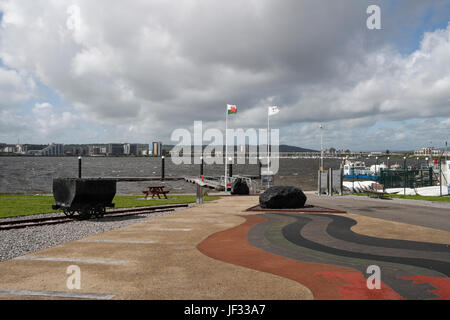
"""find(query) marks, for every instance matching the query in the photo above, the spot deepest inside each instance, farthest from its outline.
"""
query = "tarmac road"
(434, 215)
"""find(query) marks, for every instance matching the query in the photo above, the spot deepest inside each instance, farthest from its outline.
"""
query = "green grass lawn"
(22, 205)
(415, 197)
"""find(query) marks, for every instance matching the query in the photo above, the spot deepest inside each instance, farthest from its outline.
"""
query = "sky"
(106, 71)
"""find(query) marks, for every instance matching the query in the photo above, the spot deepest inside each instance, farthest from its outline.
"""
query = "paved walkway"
(220, 251)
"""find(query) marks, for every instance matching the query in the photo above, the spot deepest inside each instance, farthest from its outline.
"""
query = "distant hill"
(286, 148)
(282, 148)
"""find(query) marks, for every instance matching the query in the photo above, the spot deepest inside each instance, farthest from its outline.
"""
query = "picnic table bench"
(377, 190)
(378, 194)
(155, 191)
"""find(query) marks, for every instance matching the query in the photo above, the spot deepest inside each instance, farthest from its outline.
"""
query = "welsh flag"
(231, 109)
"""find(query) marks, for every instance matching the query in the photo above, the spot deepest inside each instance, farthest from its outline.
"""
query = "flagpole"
(268, 141)
(226, 147)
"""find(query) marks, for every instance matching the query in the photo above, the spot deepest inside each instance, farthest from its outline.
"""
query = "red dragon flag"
(231, 109)
(273, 110)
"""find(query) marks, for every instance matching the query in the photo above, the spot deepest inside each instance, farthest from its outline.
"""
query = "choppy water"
(34, 175)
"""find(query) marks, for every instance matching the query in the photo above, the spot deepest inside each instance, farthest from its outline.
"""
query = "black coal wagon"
(87, 197)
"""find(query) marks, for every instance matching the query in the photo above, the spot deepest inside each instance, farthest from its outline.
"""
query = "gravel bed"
(19, 242)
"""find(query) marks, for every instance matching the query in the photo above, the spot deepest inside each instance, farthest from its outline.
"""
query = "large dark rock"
(281, 197)
(239, 186)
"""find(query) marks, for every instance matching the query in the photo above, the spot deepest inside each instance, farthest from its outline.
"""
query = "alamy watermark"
(74, 280)
(251, 146)
(374, 20)
(374, 280)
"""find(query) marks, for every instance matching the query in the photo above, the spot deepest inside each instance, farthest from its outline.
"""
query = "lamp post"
(321, 147)
(377, 169)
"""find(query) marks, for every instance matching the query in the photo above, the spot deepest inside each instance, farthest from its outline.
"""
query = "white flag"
(273, 110)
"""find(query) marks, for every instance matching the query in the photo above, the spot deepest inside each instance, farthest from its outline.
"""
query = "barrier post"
(162, 168)
(199, 194)
(319, 183)
(79, 167)
(201, 167)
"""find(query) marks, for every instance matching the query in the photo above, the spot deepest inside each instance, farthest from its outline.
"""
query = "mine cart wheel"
(69, 213)
(85, 213)
(99, 211)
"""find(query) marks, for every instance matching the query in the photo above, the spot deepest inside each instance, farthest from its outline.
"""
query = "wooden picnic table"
(155, 191)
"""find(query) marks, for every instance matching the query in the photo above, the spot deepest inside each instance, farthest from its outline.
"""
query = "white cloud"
(14, 88)
(155, 66)
(47, 122)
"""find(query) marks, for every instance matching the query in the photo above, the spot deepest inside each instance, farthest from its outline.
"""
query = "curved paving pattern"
(321, 252)
(270, 237)
(232, 246)
(340, 228)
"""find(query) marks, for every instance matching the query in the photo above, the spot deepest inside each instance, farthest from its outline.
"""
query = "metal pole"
(260, 167)
(79, 167)
(226, 148)
(330, 182)
(201, 167)
(440, 175)
(405, 173)
(230, 169)
(319, 183)
(430, 172)
(446, 151)
(353, 178)
(321, 147)
(162, 168)
(377, 169)
(199, 194)
(268, 150)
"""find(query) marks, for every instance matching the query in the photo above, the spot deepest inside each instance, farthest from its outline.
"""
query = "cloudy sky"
(82, 71)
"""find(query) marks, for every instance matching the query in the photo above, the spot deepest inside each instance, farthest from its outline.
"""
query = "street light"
(376, 167)
(321, 147)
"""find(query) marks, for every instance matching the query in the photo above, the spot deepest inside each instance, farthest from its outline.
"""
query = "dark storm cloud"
(152, 66)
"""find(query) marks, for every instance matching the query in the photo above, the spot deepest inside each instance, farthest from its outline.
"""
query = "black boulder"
(282, 197)
(239, 187)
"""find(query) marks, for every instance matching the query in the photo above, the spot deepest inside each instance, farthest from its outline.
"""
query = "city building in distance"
(427, 151)
(53, 150)
(157, 149)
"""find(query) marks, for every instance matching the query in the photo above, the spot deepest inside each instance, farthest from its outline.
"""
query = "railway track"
(24, 223)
